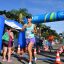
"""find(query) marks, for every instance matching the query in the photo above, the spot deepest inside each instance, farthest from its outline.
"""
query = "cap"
(28, 17)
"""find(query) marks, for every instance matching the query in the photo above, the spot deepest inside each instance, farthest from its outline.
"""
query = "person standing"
(7, 43)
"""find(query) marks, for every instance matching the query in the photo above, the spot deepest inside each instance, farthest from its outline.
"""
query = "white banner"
(13, 24)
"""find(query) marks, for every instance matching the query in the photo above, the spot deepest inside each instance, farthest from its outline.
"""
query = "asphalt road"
(42, 58)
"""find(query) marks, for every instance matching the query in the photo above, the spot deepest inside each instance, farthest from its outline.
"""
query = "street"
(42, 58)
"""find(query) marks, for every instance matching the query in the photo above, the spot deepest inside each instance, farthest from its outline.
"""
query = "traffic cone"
(63, 48)
(34, 51)
(35, 54)
(60, 50)
(18, 51)
(58, 61)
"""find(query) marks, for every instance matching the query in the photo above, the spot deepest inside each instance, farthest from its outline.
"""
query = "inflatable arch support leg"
(1, 30)
(21, 39)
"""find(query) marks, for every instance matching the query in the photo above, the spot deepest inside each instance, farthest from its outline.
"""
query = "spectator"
(7, 43)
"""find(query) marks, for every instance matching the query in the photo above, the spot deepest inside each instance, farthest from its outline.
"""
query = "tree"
(14, 14)
(47, 31)
(3, 12)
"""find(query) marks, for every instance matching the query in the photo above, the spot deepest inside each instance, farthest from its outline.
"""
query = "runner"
(30, 37)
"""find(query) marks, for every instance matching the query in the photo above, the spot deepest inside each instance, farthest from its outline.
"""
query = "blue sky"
(58, 26)
(36, 7)
(33, 6)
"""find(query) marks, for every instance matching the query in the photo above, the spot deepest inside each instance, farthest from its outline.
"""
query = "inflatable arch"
(49, 17)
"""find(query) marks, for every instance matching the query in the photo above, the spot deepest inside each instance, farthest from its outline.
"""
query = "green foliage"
(14, 14)
(46, 31)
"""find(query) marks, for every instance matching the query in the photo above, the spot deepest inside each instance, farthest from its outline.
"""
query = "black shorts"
(5, 43)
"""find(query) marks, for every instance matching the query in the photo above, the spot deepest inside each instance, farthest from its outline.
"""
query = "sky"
(33, 6)
(36, 7)
(58, 26)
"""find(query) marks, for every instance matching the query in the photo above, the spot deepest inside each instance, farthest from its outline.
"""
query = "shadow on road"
(21, 59)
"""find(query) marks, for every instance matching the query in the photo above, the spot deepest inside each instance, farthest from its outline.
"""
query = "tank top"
(29, 31)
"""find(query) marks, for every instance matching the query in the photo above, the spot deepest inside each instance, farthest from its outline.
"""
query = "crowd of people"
(32, 41)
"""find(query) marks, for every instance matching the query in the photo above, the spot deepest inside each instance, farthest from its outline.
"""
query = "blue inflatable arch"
(49, 17)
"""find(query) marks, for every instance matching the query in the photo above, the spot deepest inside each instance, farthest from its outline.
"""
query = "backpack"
(5, 37)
